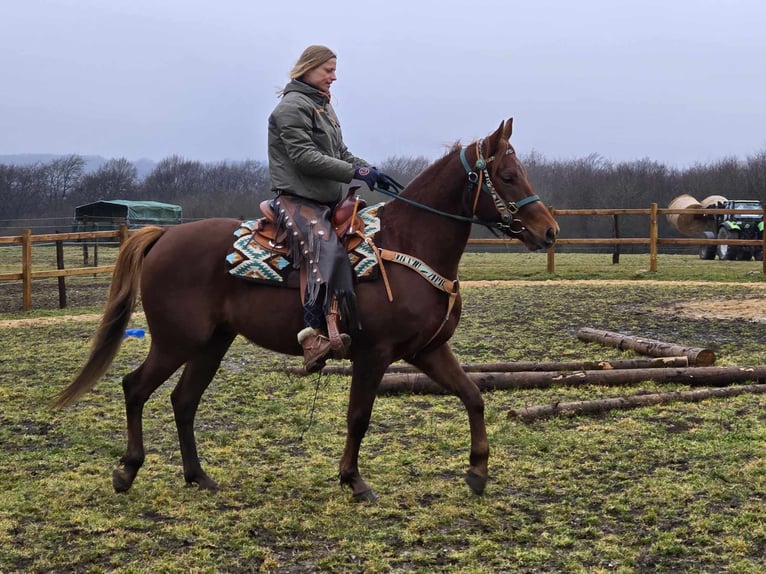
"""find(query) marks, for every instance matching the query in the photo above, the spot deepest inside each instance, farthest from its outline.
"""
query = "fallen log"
(527, 366)
(652, 347)
(417, 383)
(529, 414)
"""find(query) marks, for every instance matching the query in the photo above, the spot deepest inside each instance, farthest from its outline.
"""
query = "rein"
(482, 182)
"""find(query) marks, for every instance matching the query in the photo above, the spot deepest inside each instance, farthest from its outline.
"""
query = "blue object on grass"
(137, 333)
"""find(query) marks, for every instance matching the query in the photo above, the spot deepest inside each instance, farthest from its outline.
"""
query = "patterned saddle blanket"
(255, 262)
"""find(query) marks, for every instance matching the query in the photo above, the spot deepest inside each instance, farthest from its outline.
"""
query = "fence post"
(616, 248)
(123, 235)
(551, 266)
(26, 269)
(84, 242)
(95, 251)
(763, 247)
(653, 238)
(61, 279)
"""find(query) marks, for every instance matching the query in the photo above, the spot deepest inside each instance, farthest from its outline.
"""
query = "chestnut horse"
(194, 308)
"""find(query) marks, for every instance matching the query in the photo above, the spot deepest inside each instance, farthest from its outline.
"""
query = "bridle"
(480, 179)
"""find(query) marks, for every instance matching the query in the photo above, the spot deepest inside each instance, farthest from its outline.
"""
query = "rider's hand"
(368, 175)
(384, 182)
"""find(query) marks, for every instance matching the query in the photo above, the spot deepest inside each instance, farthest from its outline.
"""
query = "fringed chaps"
(313, 245)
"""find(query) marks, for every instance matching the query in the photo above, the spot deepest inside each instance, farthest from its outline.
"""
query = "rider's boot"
(317, 349)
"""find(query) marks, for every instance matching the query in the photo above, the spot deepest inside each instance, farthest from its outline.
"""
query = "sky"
(680, 82)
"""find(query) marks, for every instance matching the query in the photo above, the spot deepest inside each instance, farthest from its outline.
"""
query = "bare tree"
(62, 176)
(116, 179)
(173, 178)
(22, 191)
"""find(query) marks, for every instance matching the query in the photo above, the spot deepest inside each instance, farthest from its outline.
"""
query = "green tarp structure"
(106, 215)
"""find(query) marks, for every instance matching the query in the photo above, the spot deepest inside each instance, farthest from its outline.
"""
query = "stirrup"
(339, 342)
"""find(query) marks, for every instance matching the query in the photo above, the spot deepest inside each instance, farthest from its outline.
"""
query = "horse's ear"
(495, 139)
(508, 129)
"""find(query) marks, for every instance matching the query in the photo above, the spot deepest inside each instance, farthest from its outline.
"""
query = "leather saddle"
(348, 225)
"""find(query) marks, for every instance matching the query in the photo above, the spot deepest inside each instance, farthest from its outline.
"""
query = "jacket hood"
(306, 89)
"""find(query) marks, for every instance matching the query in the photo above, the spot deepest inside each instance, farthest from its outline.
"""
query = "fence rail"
(27, 275)
(26, 240)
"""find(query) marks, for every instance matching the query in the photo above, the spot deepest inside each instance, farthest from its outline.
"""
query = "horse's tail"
(123, 293)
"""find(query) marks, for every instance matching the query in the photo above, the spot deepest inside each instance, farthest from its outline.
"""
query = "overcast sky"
(676, 81)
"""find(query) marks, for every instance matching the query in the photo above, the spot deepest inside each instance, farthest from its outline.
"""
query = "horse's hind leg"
(441, 365)
(196, 377)
(367, 373)
(138, 386)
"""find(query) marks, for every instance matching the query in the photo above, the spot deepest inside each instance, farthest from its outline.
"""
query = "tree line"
(32, 194)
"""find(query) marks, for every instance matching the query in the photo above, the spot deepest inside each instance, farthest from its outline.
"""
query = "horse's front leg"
(365, 379)
(441, 365)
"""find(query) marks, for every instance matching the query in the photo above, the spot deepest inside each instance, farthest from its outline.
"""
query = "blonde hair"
(312, 57)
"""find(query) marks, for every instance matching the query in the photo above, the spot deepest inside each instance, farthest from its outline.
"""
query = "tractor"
(734, 226)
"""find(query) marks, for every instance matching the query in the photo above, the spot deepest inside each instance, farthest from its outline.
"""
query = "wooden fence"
(26, 275)
(653, 240)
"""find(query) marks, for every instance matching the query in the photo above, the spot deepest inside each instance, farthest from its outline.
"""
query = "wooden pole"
(651, 347)
(616, 247)
(551, 259)
(123, 235)
(26, 269)
(653, 235)
(720, 376)
(551, 251)
(763, 244)
(529, 414)
(526, 366)
(85, 242)
(61, 279)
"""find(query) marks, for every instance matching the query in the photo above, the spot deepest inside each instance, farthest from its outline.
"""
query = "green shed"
(106, 215)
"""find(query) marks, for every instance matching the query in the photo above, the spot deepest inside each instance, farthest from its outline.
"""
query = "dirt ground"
(753, 308)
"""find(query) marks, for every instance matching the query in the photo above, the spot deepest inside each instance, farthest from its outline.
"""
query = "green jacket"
(307, 156)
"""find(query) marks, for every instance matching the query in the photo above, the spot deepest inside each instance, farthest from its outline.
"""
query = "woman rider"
(308, 165)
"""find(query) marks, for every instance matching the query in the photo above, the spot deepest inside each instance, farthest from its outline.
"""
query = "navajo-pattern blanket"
(248, 260)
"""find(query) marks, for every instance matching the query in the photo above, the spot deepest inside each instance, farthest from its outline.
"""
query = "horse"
(194, 308)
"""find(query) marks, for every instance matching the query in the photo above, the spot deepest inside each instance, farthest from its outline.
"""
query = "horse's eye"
(508, 178)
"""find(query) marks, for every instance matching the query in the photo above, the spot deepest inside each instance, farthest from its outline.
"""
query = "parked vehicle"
(735, 226)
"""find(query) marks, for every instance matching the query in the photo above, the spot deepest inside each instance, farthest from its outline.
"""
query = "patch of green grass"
(593, 266)
(670, 488)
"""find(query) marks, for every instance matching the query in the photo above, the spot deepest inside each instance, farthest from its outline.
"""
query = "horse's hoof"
(122, 480)
(368, 496)
(205, 483)
(475, 482)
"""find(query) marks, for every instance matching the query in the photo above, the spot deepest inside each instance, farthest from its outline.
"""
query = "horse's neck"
(436, 239)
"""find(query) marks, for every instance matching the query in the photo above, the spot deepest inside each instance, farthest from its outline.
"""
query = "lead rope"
(313, 406)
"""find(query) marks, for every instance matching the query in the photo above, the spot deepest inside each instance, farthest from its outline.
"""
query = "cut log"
(718, 376)
(529, 414)
(651, 347)
(527, 366)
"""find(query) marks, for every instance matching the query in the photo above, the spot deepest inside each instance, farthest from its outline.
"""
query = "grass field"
(84, 291)
(672, 488)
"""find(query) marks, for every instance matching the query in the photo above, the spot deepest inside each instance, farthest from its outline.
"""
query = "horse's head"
(504, 194)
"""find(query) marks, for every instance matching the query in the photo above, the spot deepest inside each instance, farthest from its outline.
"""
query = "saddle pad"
(249, 260)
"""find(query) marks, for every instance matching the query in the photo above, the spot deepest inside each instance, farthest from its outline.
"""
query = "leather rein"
(480, 179)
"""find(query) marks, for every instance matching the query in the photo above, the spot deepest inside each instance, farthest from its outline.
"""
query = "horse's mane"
(436, 165)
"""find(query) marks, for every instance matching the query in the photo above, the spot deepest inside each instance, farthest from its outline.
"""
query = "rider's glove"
(368, 175)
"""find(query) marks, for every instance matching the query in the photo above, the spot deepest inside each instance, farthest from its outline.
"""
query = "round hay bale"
(688, 224)
(712, 201)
